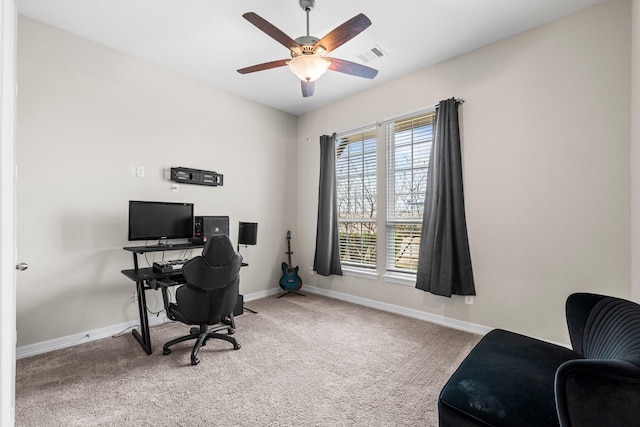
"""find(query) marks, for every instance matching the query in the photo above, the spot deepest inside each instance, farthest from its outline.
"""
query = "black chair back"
(212, 286)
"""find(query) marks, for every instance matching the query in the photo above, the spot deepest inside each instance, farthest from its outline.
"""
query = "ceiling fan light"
(309, 67)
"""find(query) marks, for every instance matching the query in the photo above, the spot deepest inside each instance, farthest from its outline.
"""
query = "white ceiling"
(209, 39)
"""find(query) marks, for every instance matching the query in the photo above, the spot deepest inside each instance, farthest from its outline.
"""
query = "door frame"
(8, 82)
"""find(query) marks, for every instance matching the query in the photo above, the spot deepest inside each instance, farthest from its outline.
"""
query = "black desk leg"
(143, 337)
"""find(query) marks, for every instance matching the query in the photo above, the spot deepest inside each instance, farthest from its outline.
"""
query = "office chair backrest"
(217, 266)
(212, 282)
(219, 250)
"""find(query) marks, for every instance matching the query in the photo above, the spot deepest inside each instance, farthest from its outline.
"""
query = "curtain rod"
(414, 112)
(458, 101)
(366, 127)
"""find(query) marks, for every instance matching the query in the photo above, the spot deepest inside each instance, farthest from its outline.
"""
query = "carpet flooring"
(304, 361)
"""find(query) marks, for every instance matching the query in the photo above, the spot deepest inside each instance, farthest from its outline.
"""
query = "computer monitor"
(160, 220)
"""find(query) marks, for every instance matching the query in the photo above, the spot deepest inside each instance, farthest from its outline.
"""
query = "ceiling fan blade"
(352, 68)
(307, 88)
(271, 30)
(264, 66)
(344, 32)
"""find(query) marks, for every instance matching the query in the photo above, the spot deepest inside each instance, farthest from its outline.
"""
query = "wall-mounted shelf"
(196, 176)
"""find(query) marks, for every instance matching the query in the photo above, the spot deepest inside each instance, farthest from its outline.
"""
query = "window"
(356, 170)
(408, 150)
(408, 143)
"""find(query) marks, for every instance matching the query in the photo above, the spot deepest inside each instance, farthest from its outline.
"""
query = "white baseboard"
(474, 328)
(109, 331)
(409, 312)
(262, 294)
(83, 337)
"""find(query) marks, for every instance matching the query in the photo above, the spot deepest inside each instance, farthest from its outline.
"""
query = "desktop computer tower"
(207, 226)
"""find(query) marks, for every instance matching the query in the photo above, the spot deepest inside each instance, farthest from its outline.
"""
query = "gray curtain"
(327, 257)
(444, 263)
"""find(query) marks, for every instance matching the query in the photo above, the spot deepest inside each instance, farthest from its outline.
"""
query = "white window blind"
(357, 197)
(409, 143)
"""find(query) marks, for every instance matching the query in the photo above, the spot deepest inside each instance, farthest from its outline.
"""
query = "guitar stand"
(292, 292)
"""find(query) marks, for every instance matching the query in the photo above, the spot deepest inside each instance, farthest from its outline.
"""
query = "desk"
(146, 278)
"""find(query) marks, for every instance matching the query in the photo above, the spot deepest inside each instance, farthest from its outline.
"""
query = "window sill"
(371, 275)
(400, 279)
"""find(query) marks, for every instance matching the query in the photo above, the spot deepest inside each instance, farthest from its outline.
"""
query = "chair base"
(201, 335)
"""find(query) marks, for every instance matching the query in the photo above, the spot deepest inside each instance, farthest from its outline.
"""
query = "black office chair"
(209, 295)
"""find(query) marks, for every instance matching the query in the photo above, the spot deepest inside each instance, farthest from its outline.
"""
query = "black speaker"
(207, 226)
(248, 233)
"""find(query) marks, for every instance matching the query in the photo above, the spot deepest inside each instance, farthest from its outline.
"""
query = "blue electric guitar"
(290, 281)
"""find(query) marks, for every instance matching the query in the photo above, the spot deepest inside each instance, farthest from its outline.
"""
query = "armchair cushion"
(507, 380)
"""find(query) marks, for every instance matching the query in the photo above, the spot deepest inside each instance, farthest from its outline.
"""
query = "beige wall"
(635, 150)
(86, 116)
(546, 132)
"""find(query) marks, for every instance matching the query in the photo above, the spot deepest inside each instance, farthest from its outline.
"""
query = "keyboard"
(169, 265)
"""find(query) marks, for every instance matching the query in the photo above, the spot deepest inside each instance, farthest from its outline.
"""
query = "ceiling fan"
(308, 54)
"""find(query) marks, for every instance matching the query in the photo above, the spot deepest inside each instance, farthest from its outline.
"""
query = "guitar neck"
(289, 250)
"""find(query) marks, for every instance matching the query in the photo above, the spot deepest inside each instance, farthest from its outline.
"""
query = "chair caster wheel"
(236, 346)
(166, 351)
(194, 330)
(194, 361)
(230, 331)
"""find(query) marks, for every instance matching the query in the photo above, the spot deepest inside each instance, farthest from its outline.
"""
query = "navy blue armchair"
(513, 380)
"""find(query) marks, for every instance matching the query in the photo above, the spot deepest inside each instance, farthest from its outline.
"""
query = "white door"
(7, 212)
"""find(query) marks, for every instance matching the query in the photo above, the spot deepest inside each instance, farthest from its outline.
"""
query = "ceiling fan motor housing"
(307, 44)
(307, 5)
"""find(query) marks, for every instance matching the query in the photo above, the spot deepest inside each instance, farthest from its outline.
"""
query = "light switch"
(140, 171)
